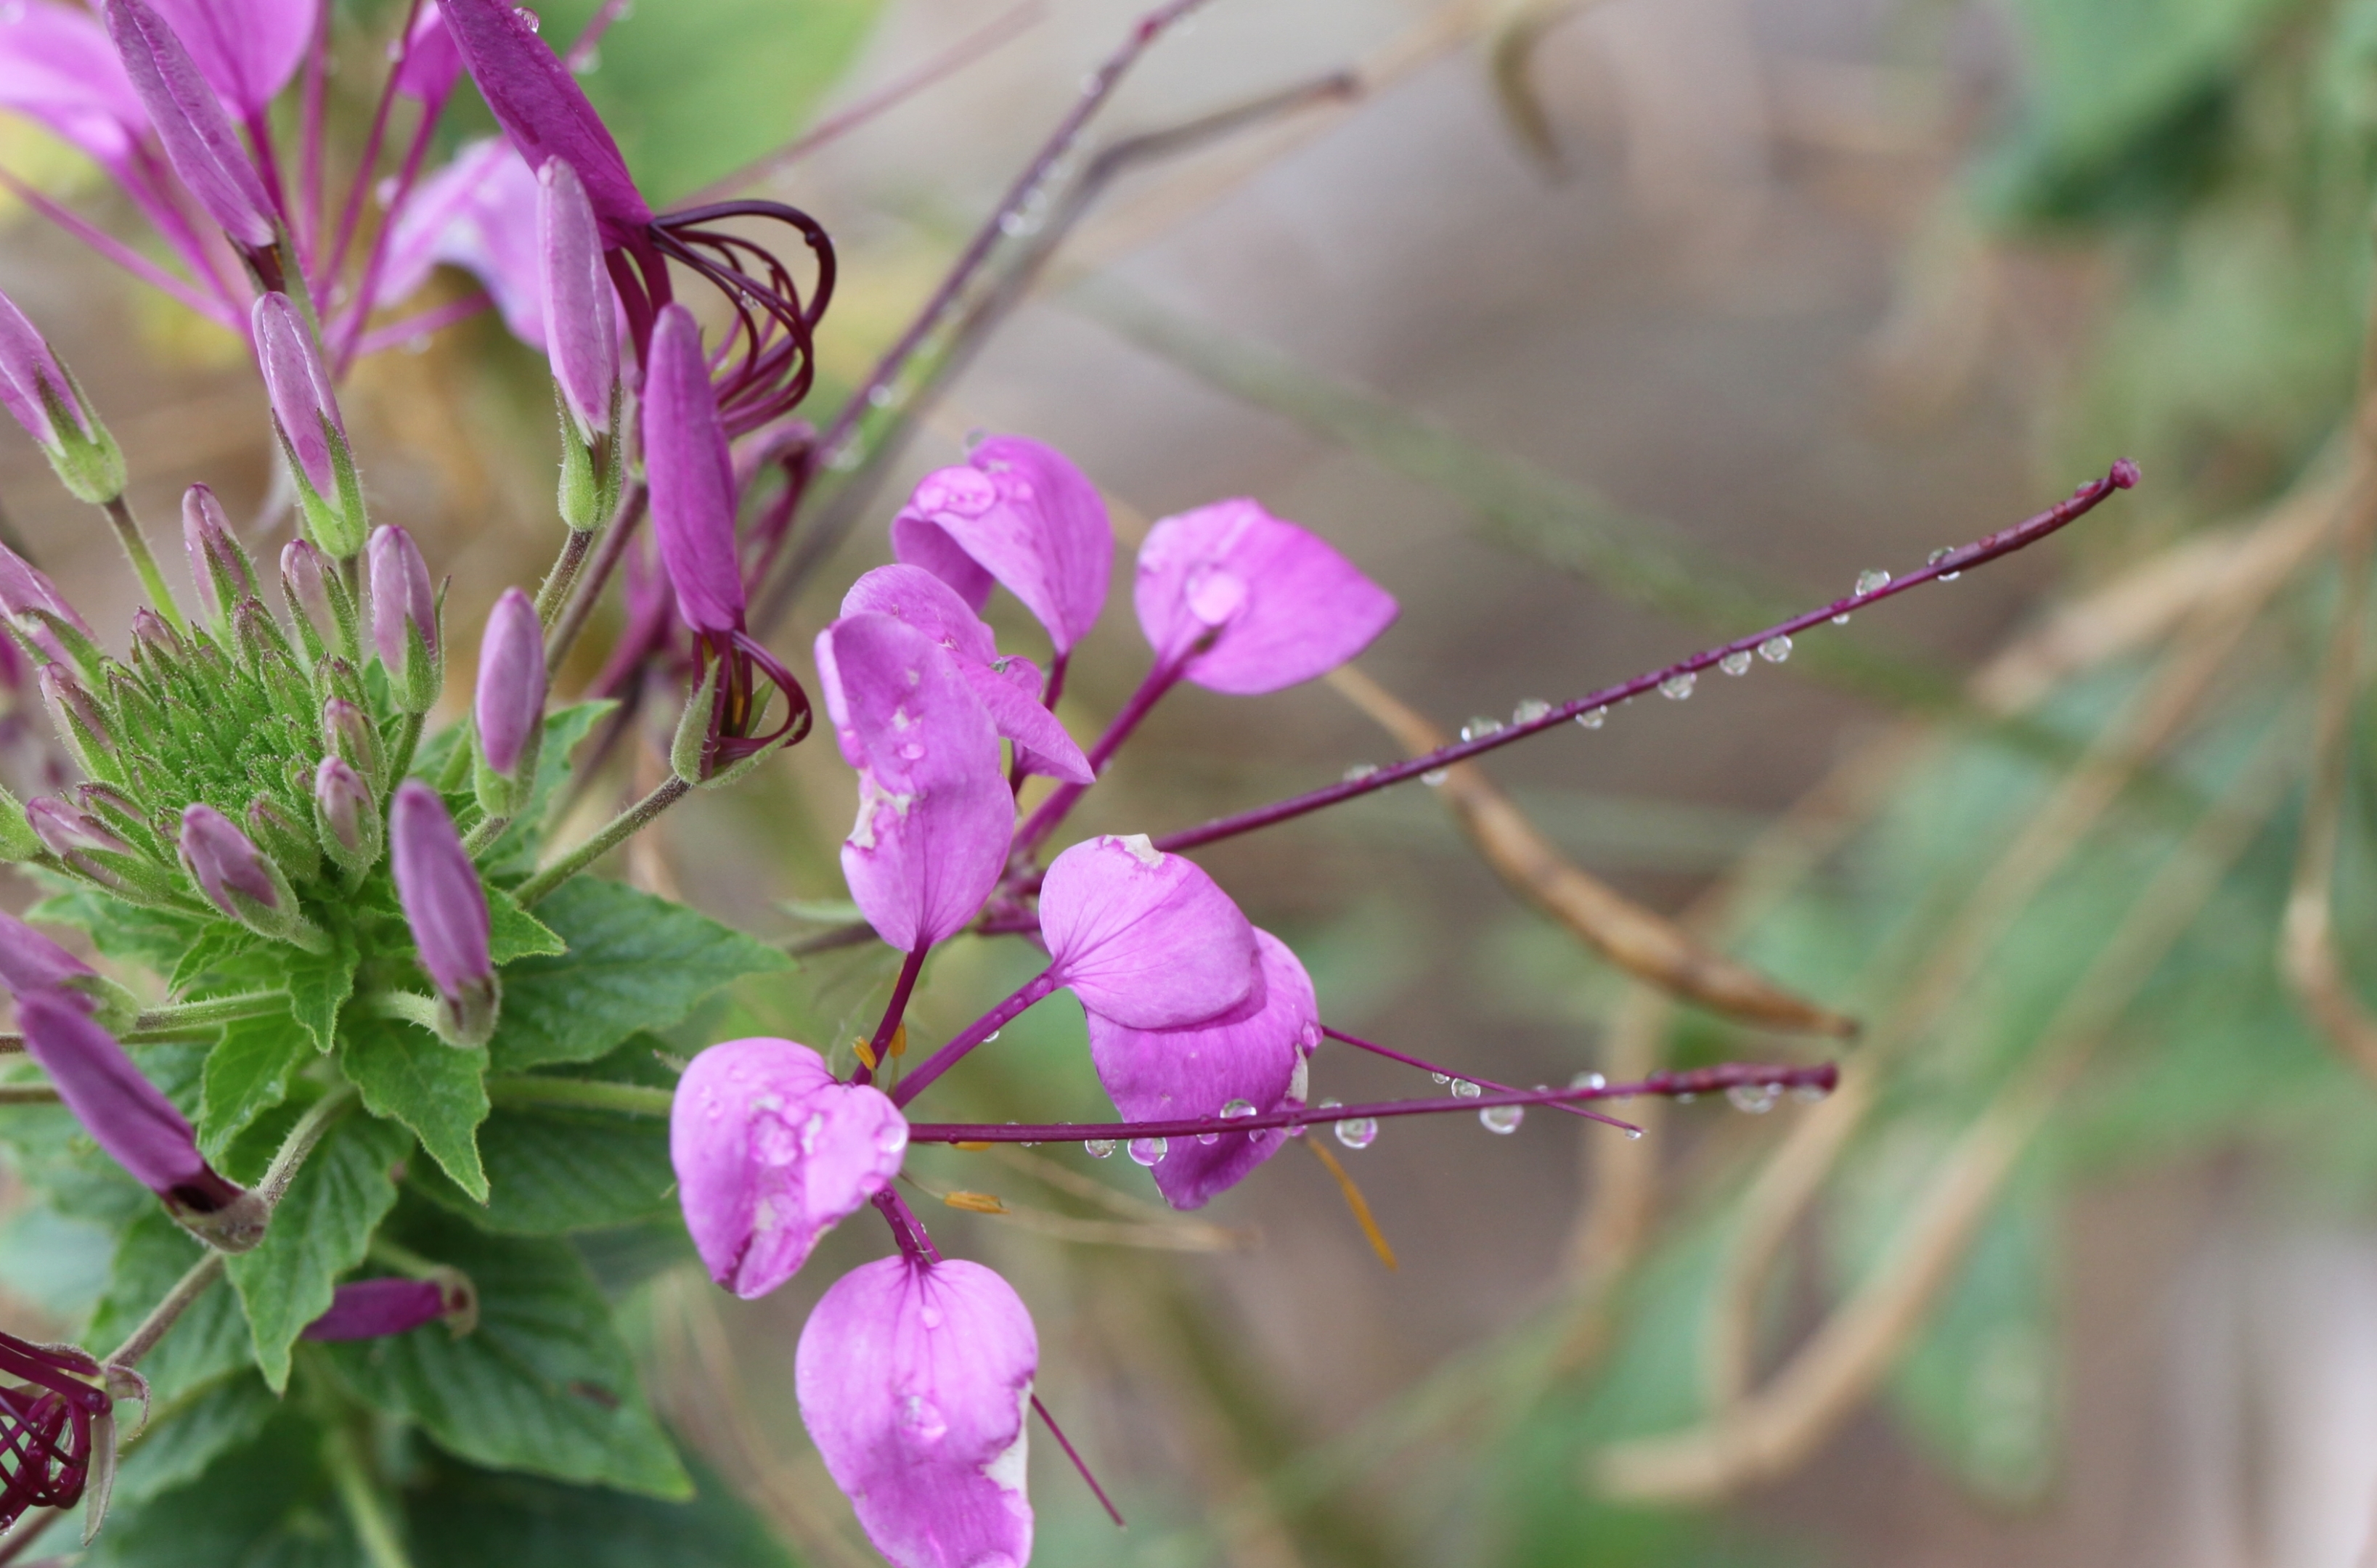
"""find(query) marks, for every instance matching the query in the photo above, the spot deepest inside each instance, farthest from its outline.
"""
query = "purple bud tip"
(691, 477)
(30, 961)
(581, 327)
(66, 832)
(27, 368)
(401, 597)
(223, 862)
(439, 888)
(215, 560)
(345, 802)
(299, 387)
(123, 1112)
(2125, 473)
(199, 141)
(512, 682)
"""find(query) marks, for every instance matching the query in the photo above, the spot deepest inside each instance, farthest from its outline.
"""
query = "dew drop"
(534, 22)
(1531, 711)
(931, 1315)
(1592, 718)
(1633, 1134)
(1237, 1108)
(918, 1414)
(1687, 1097)
(844, 458)
(1359, 771)
(1735, 664)
(1478, 729)
(1358, 1132)
(1463, 1089)
(1808, 1094)
(1936, 557)
(1148, 1151)
(586, 64)
(1098, 1148)
(1433, 779)
(1439, 1077)
(1504, 1119)
(1775, 649)
(1588, 1080)
(882, 396)
(1755, 1098)
(1872, 581)
(1209, 1139)
(1840, 619)
(1676, 688)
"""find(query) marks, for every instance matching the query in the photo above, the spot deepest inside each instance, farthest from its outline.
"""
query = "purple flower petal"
(1010, 687)
(438, 887)
(30, 962)
(1288, 607)
(543, 111)
(691, 477)
(935, 814)
(431, 60)
(509, 702)
(200, 144)
(298, 385)
(1020, 513)
(26, 367)
(247, 50)
(374, 1308)
(223, 862)
(1145, 938)
(1253, 1055)
(126, 1114)
(771, 1153)
(914, 1381)
(478, 213)
(25, 587)
(58, 67)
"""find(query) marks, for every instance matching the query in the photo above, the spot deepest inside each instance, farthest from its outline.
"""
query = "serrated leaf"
(247, 1073)
(263, 1504)
(635, 961)
(408, 1075)
(465, 1517)
(319, 985)
(208, 1343)
(221, 940)
(544, 1384)
(514, 933)
(182, 1439)
(318, 1232)
(551, 1170)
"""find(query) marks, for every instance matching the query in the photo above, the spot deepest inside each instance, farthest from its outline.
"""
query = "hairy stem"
(136, 548)
(187, 1015)
(592, 582)
(620, 829)
(318, 1119)
(163, 1315)
(555, 592)
(366, 1507)
(400, 757)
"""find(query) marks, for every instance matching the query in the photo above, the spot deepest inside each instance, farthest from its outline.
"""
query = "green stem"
(483, 837)
(136, 545)
(574, 615)
(301, 1140)
(626, 825)
(186, 1290)
(212, 1009)
(402, 1258)
(410, 1006)
(366, 1507)
(408, 737)
(628, 1100)
(564, 575)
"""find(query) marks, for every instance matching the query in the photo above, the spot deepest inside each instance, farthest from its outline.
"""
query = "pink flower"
(1007, 686)
(1280, 604)
(771, 1153)
(915, 1378)
(1020, 514)
(935, 813)
(478, 213)
(1144, 938)
(247, 50)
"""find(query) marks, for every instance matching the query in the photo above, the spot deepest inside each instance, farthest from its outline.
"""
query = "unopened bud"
(90, 848)
(318, 602)
(261, 642)
(81, 724)
(346, 816)
(351, 738)
(404, 620)
(31, 963)
(18, 841)
(155, 644)
(237, 878)
(306, 411)
(38, 388)
(447, 908)
(222, 568)
(509, 705)
(374, 1309)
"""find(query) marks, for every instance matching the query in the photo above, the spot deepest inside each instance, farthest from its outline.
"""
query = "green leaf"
(219, 941)
(319, 1231)
(514, 854)
(264, 1504)
(544, 1384)
(247, 1073)
(153, 939)
(409, 1075)
(697, 90)
(466, 1517)
(319, 985)
(210, 1340)
(182, 1439)
(551, 1170)
(635, 961)
(514, 933)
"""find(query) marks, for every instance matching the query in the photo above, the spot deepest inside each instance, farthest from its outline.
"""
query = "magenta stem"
(1079, 1463)
(973, 1033)
(309, 151)
(352, 214)
(124, 255)
(907, 1230)
(267, 165)
(367, 285)
(1700, 1080)
(422, 323)
(1948, 562)
(1052, 812)
(1393, 1055)
(910, 968)
(582, 50)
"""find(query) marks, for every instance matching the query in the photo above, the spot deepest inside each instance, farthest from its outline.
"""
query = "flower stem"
(483, 837)
(584, 1094)
(1700, 1080)
(910, 968)
(318, 1119)
(1948, 562)
(208, 1010)
(1393, 1055)
(906, 1228)
(973, 1033)
(366, 1509)
(591, 582)
(1079, 1463)
(626, 825)
(136, 546)
(185, 1291)
(399, 759)
(557, 581)
(1043, 822)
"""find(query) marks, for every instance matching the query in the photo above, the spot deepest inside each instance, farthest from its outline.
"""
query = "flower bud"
(121, 814)
(318, 602)
(37, 388)
(374, 1309)
(347, 733)
(447, 909)
(404, 620)
(306, 411)
(91, 849)
(80, 723)
(582, 338)
(691, 477)
(30, 964)
(237, 878)
(345, 816)
(221, 567)
(291, 847)
(509, 706)
(27, 591)
(199, 141)
(131, 1118)
(155, 644)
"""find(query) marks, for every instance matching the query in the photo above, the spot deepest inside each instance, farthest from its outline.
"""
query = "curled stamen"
(767, 362)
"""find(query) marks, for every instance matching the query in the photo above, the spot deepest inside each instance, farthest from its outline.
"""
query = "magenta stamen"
(353, 211)
(2123, 474)
(582, 52)
(910, 968)
(309, 154)
(1393, 1055)
(359, 309)
(972, 1035)
(1079, 1463)
(124, 255)
(422, 323)
(268, 167)
(1700, 1080)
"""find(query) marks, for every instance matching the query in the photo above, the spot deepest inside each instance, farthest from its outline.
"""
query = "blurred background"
(1590, 331)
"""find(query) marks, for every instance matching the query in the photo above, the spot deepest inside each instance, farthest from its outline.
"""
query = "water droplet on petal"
(1463, 1089)
(1504, 1119)
(1594, 718)
(929, 1315)
(1872, 581)
(1755, 1098)
(1478, 729)
(1148, 1151)
(1209, 1139)
(529, 19)
(1775, 649)
(1098, 1148)
(918, 1415)
(1531, 711)
(1434, 778)
(1676, 688)
(1358, 1133)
